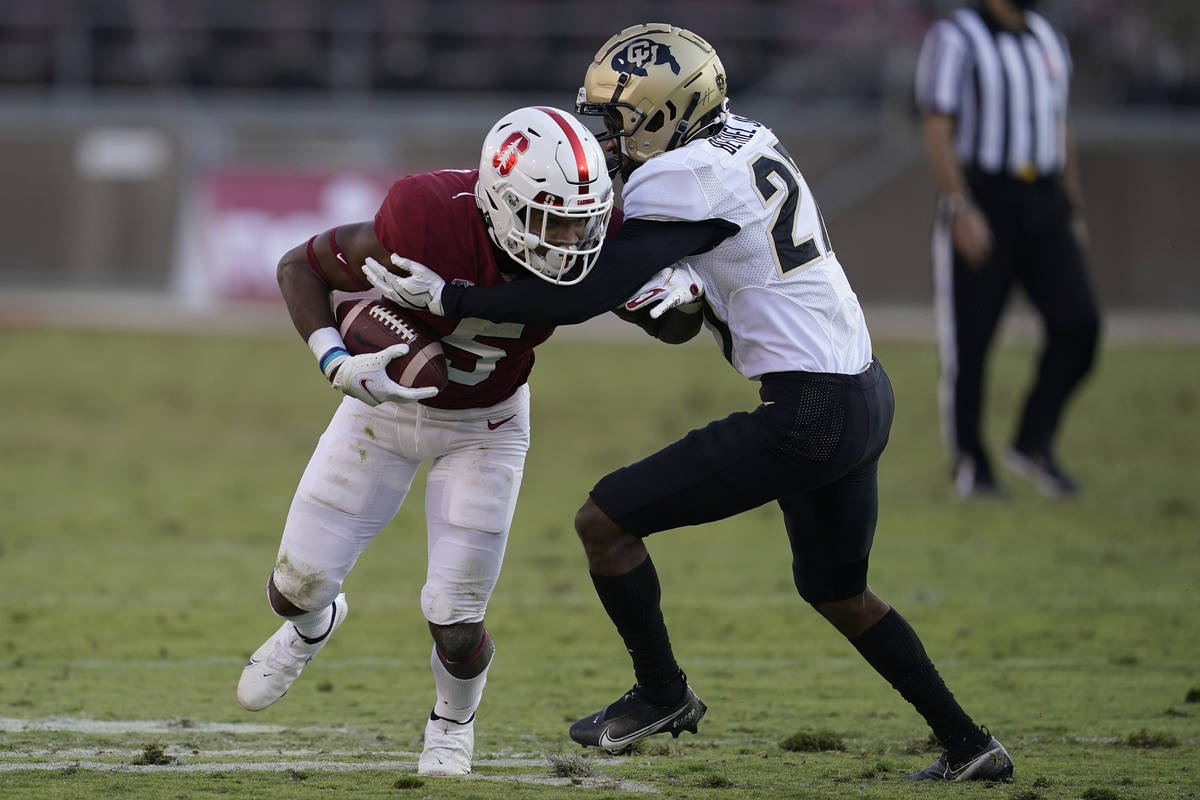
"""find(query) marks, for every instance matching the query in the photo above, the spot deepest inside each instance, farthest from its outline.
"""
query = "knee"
(593, 527)
(853, 615)
(1080, 334)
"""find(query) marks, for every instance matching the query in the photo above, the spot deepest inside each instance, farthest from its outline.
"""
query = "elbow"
(285, 272)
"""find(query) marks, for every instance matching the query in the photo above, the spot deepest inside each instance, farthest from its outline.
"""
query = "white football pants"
(361, 472)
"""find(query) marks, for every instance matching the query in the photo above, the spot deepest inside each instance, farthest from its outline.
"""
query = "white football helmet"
(545, 192)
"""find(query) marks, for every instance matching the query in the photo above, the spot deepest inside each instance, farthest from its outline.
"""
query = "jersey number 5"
(771, 176)
(465, 371)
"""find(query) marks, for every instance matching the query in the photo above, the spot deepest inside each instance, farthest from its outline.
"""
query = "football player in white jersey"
(716, 200)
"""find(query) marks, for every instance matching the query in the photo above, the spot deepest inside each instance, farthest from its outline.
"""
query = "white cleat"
(449, 747)
(275, 665)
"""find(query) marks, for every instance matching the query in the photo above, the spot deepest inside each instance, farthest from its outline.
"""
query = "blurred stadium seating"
(173, 145)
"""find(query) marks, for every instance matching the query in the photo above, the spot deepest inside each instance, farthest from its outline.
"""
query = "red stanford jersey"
(432, 218)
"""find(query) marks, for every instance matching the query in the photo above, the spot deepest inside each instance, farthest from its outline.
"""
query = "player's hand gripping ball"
(368, 326)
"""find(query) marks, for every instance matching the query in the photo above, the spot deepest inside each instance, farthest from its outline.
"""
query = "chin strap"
(682, 127)
(715, 121)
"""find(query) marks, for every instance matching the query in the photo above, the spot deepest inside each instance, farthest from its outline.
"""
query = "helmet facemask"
(544, 193)
(557, 243)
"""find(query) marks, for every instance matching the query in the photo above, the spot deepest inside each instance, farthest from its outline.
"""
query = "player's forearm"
(306, 295)
(528, 301)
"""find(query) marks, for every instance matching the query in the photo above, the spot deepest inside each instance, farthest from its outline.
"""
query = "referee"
(991, 86)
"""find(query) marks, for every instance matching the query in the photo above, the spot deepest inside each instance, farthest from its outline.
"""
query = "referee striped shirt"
(1007, 90)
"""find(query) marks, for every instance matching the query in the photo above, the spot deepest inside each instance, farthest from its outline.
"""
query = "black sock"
(632, 603)
(892, 647)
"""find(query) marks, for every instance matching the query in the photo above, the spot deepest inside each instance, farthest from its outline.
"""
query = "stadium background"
(167, 152)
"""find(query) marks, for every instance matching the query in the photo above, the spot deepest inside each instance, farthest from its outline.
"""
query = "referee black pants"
(1033, 245)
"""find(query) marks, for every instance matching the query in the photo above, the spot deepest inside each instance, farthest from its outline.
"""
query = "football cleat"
(990, 764)
(275, 665)
(631, 718)
(449, 747)
(973, 478)
(1040, 469)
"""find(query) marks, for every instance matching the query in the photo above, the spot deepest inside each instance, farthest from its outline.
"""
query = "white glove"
(674, 287)
(364, 377)
(420, 289)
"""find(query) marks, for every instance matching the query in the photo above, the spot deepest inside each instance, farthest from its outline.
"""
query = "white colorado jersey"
(776, 297)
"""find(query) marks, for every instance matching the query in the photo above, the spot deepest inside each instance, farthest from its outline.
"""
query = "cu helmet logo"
(642, 53)
(506, 157)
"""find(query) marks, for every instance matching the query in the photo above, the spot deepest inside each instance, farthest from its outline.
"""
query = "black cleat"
(631, 719)
(990, 764)
(1040, 469)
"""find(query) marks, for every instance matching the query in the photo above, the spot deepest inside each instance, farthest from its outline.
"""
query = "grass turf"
(144, 481)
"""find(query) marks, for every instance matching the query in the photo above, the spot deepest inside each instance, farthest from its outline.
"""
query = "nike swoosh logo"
(363, 383)
(493, 425)
(952, 774)
(340, 257)
(253, 663)
(644, 297)
(609, 743)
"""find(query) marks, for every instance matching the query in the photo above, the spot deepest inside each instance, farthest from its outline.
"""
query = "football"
(368, 326)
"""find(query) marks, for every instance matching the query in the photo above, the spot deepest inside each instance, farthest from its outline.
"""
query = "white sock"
(457, 698)
(314, 624)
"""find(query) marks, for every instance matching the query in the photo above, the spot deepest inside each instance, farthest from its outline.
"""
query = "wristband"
(327, 345)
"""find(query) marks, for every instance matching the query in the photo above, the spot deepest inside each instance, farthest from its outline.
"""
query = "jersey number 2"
(791, 252)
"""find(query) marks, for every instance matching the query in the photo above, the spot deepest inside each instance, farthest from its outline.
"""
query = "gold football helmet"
(657, 87)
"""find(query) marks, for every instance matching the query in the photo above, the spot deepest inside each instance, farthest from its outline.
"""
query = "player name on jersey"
(734, 134)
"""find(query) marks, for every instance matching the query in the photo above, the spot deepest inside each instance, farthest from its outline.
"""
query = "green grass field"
(144, 480)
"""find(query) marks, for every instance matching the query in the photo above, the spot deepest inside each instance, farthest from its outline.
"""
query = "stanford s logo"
(642, 53)
(506, 157)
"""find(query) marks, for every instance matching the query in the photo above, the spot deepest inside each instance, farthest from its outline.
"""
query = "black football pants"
(813, 446)
(1033, 245)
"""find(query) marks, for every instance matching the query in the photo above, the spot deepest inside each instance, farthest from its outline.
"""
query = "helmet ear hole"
(656, 122)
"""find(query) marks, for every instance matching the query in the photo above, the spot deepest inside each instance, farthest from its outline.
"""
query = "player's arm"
(330, 260)
(642, 248)
(307, 274)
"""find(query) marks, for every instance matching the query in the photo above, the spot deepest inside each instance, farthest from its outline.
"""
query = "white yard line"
(76, 725)
(591, 782)
(191, 755)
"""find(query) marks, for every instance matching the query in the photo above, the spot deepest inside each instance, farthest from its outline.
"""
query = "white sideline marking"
(74, 725)
(215, 766)
(407, 766)
(191, 754)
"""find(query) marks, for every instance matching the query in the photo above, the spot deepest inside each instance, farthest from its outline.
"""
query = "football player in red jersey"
(539, 205)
